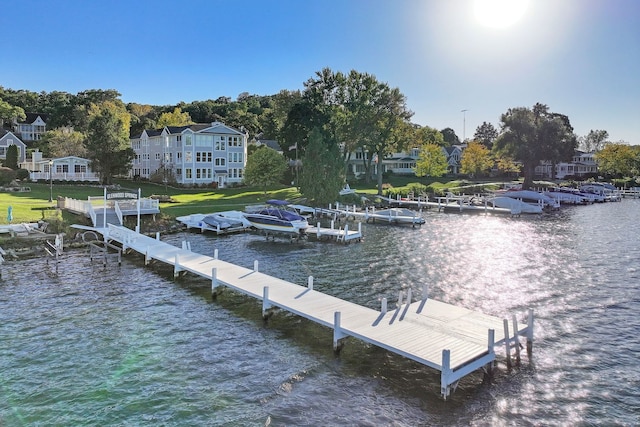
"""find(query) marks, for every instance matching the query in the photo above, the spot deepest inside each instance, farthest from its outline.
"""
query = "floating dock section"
(453, 340)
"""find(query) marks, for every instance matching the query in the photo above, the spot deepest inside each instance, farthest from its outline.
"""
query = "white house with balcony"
(69, 168)
(7, 139)
(402, 163)
(582, 164)
(32, 127)
(198, 154)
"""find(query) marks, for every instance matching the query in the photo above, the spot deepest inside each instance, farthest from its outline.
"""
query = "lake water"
(95, 346)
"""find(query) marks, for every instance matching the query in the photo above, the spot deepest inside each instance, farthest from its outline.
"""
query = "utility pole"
(464, 125)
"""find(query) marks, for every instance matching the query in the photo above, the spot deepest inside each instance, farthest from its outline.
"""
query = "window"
(220, 143)
(187, 141)
(158, 156)
(80, 168)
(179, 157)
(179, 171)
(187, 173)
(187, 157)
(203, 156)
(220, 161)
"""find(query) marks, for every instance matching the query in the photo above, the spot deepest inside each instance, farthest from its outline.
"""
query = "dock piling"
(310, 283)
(516, 337)
(266, 305)
(255, 266)
(214, 283)
(383, 306)
(507, 342)
(530, 333)
(338, 335)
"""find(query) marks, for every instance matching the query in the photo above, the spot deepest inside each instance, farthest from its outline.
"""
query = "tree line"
(335, 115)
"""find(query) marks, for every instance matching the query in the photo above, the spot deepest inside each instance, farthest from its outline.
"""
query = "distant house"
(271, 143)
(582, 165)
(197, 154)
(8, 138)
(32, 128)
(70, 168)
(402, 163)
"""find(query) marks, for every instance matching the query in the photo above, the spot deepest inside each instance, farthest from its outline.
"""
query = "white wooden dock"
(454, 340)
(338, 234)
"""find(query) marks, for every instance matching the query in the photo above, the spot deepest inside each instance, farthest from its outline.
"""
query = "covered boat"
(277, 217)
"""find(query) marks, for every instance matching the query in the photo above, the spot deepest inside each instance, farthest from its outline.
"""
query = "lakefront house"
(199, 154)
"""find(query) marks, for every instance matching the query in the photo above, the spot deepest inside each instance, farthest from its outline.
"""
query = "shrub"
(7, 175)
(22, 175)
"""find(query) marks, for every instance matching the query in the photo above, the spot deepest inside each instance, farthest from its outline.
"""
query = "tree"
(476, 159)
(432, 162)
(63, 142)
(618, 160)
(427, 135)
(450, 136)
(265, 167)
(594, 141)
(322, 173)
(486, 134)
(532, 135)
(11, 159)
(9, 112)
(175, 118)
(108, 140)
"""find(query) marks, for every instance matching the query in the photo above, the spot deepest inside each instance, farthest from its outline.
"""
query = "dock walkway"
(456, 341)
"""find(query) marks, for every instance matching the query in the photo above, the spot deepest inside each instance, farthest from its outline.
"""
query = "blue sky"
(580, 57)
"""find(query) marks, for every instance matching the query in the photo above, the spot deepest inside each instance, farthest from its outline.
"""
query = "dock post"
(255, 266)
(332, 223)
(425, 292)
(400, 298)
(214, 283)
(491, 341)
(157, 235)
(310, 283)
(530, 333)
(147, 258)
(337, 333)
(266, 306)
(445, 373)
(507, 342)
(517, 337)
(215, 254)
(383, 306)
(318, 227)
(176, 266)
(409, 296)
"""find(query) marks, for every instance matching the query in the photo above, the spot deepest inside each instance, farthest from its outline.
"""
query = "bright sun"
(499, 13)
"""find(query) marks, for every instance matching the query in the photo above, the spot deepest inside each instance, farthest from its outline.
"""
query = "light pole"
(464, 125)
(50, 181)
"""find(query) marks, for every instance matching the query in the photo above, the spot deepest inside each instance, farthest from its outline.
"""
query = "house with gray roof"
(198, 154)
(32, 127)
(8, 138)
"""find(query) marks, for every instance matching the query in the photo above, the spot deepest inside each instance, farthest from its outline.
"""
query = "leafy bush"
(7, 175)
(22, 175)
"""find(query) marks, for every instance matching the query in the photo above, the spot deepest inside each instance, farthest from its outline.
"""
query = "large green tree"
(618, 160)
(486, 133)
(533, 135)
(63, 142)
(108, 140)
(174, 118)
(322, 172)
(265, 167)
(432, 162)
(10, 112)
(476, 159)
(595, 140)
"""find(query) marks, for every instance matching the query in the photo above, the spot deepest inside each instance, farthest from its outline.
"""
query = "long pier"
(453, 340)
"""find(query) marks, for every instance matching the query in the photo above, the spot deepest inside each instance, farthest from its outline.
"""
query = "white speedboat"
(277, 217)
(531, 197)
(219, 222)
(516, 206)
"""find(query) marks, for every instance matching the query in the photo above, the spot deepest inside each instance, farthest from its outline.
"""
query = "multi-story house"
(403, 163)
(7, 138)
(582, 165)
(197, 154)
(32, 128)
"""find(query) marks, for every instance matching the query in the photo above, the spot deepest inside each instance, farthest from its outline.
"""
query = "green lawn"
(34, 205)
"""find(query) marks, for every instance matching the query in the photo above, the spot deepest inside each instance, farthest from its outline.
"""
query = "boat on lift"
(277, 217)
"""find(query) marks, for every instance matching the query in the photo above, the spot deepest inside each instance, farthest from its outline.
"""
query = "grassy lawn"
(34, 205)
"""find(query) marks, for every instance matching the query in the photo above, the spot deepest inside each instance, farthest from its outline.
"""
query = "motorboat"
(516, 206)
(568, 196)
(277, 217)
(219, 222)
(346, 190)
(395, 216)
(531, 197)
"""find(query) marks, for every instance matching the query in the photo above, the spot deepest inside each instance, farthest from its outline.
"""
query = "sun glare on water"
(499, 13)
